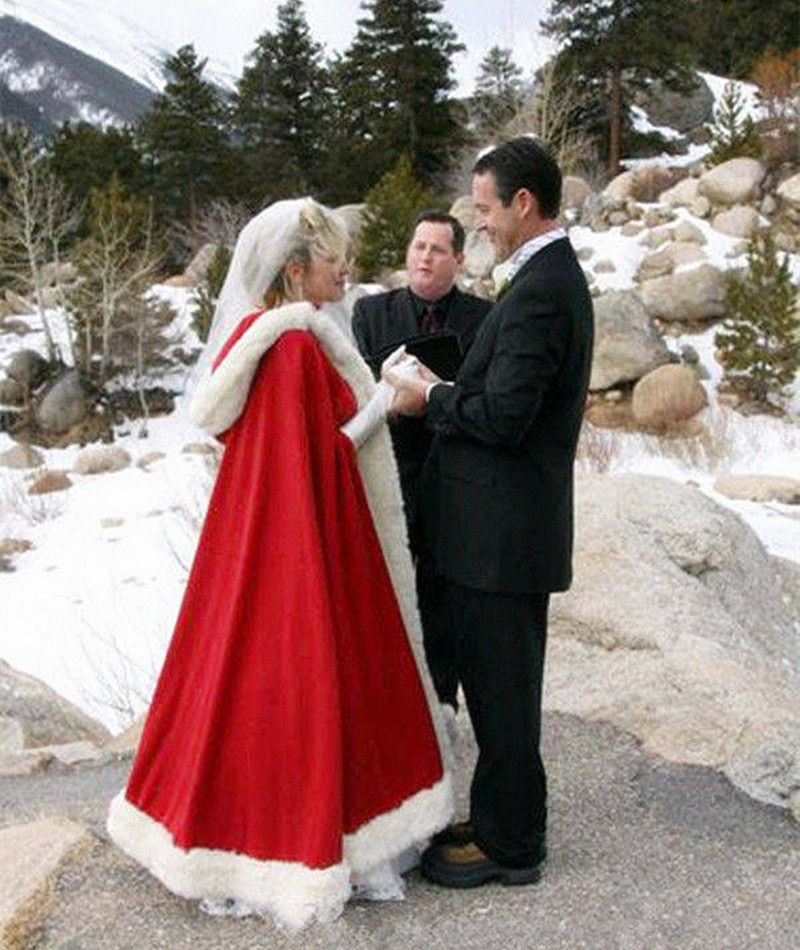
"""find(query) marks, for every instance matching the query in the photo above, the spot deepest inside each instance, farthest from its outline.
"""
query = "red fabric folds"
(289, 711)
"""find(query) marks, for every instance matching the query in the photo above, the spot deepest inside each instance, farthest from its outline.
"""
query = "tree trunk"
(615, 121)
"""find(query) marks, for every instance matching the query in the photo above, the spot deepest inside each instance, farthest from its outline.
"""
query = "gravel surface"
(643, 854)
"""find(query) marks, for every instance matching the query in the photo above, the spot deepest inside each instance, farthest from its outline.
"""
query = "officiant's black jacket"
(381, 323)
(497, 488)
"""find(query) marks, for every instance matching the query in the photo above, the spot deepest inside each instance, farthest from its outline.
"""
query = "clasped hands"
(410, 380)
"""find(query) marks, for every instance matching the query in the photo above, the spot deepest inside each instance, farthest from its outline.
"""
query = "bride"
(293, 748)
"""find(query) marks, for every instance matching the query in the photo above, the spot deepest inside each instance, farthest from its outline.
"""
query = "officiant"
(437, 322)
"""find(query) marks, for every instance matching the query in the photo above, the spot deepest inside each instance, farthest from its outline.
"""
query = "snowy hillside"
(99, 30)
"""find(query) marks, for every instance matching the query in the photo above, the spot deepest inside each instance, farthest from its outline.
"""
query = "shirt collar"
(505, 272)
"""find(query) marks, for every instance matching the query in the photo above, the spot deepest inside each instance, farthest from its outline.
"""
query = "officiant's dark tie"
(432, 320)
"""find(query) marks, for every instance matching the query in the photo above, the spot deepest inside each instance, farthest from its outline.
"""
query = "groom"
(497, 506)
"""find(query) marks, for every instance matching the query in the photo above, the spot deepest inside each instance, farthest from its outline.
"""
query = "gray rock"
(632, 229)
(789, 191)
(691, 295)
(585, 253)
(28, 368)
(605, 267)
(689, 233)
(479, 255)
(197, 268)
(680, 630)
(12, 737)
(657, 264)
(627, 345)
(657, 237)
(21, 456)
(12, 392)
(463, 210)
(667, 395)
(689, 354)
(680, 195)
(49, 482)
(620, 187)
(574, 192)
(681, 111)
(700, 207)
(63, 405)
(739, 221)
(760, 488)
(733, 182)
(99, 459)
(45, 717)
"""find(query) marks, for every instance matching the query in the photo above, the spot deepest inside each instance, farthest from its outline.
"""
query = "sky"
(228, 36)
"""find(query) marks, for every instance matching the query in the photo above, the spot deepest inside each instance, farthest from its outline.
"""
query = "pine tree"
(185, 137)
(86, 157)
(393, 86)
(392, 206)
(498, 91)
(280, 110)
(617, 46)
(733, 134)
(730, 36)
(759, 343)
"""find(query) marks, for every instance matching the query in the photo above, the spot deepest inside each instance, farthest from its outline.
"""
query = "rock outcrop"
(681, 629)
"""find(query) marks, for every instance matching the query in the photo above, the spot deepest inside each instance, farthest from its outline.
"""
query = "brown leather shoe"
(466, 865)
(460, 832)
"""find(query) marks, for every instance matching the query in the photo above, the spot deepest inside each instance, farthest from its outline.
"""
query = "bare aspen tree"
(37, 213)
(549, 112)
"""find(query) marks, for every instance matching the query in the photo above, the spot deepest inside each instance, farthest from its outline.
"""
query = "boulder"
(657, 236)
(99, 459)
(605, 267)
(684, 254)
(28, 368)
(574, 192)
(632, 228)
(479, 255)
(148, 459)
(45, 717)
(63, 405)
(681, 630)
(691, 295)
(682, 111)
(197, 268)
(760, 488)
(789, 191)
(463, 210)
(126, 742)
(21, 456)
(34, 854)
(52, 481)
(700, 207)
(740, 221)
(627, 345)
(650, 181)
(733, 182)
(656, 264)
(680, 195)
(12, 392)
(688, 233)
(199, 448)
(667, 395)
(620, 187)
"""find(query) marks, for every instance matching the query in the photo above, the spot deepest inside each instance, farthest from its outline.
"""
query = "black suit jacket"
(498, 484)
(381, 323)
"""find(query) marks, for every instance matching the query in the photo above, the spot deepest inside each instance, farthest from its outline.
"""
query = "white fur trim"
(289, 891)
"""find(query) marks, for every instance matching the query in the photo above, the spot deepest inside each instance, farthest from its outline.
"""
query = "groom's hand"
(409, 397)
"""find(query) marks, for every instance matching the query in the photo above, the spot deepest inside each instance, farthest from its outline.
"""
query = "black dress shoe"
(466, 865)
(460, 832)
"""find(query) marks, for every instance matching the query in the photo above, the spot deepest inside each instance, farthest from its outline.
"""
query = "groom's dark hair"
(524, 163)
(439, 217)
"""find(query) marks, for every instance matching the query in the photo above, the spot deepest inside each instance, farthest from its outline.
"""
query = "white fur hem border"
(292, 893)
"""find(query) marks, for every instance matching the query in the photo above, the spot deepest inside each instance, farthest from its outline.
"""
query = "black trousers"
(496, 650)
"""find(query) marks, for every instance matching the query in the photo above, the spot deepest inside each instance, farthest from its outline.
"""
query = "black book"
(441, 353)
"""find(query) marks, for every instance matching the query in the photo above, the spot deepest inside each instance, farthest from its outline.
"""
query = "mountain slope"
(44, 81)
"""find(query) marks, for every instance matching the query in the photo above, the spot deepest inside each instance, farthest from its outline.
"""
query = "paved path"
(643, 854)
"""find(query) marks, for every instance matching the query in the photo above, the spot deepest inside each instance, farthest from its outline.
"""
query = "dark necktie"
(432, 320)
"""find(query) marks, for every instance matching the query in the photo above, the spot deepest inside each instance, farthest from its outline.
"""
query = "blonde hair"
(320, 233)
